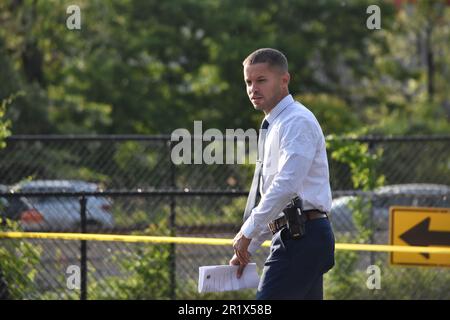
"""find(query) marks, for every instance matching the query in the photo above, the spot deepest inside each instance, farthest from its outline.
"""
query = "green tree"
(406, 90)
(334, 114)
(150, 66)
(4, 124)
(4, 132)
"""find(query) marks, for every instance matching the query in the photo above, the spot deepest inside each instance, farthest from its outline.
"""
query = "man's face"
(266, 85)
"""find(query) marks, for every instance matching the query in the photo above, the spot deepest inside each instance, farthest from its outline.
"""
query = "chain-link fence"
(175, 201)
(130, 162)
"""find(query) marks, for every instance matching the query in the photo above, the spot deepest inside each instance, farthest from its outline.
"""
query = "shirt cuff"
(248, 228)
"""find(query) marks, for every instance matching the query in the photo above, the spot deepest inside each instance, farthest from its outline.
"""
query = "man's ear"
(286, 78)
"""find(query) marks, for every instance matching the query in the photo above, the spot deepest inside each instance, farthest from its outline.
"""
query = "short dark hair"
(273, 57)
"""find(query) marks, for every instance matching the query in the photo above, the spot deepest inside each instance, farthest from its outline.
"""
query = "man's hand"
(235, 262)
(240, 246)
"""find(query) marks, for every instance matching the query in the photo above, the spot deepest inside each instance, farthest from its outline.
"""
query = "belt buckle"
(273, 227)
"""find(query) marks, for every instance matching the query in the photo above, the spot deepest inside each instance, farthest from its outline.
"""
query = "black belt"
(278, 224)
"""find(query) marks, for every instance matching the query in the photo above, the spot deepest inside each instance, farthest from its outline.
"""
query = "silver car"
(60, 213)
(414, 194)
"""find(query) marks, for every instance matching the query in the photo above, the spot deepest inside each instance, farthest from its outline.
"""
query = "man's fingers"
(240, 270)
(240, 245)
(244, 258)
(239, 256)
(234, 261)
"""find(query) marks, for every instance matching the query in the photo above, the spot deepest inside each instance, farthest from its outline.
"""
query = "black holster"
(295, 218)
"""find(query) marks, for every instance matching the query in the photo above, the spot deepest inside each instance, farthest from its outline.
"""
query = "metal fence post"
(172, 227)
(83, 249)
(371, 213)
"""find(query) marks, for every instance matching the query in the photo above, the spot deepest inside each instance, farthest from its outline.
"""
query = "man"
(292, 150)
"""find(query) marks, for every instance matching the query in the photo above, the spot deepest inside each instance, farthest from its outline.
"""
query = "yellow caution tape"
(207, 241)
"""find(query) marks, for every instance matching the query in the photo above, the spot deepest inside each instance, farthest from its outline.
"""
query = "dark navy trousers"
(294, 268)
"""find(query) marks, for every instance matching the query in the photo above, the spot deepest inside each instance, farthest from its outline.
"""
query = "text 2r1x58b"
(246, 309)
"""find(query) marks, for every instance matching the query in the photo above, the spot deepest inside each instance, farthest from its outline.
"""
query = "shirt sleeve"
(258, 240)
(298, 140)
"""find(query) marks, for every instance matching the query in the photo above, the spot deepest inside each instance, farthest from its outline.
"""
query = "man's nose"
(252, 89)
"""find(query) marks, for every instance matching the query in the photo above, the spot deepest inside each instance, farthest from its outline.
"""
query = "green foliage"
(334, 114)
(232, 212)
(406, 91)
(146, 276)
(143, 157)
(340, 282)
(144, 272)
(363, 164)
(361, 160)
(5, 124)
(345, 279)
(19, 264)
(179, 63)
(413, 283)
(399, 283)
(417, 118)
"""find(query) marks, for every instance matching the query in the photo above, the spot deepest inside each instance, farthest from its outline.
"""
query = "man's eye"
(261, 80)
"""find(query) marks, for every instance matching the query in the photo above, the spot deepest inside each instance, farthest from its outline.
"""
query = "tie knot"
(265, 124)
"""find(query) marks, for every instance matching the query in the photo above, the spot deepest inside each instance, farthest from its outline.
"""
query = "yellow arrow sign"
(413, 226)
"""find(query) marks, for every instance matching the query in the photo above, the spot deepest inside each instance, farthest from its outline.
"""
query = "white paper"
(223, 278)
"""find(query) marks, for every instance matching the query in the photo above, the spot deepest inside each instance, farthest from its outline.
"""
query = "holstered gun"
(295, 218)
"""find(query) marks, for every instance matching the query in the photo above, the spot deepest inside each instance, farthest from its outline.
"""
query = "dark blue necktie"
(265, 124)
(251, 200)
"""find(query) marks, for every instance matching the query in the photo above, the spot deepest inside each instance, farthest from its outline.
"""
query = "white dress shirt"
(294, 163)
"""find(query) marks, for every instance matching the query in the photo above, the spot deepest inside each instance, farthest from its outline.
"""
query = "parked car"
(59, 213)
(11, 207)
(415, 194)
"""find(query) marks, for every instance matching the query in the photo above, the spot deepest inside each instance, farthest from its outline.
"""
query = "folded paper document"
(223, 278)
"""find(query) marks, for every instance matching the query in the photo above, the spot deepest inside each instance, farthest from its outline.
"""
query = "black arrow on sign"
(420, 235)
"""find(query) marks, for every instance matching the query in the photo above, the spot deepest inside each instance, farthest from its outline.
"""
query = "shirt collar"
(275, 112)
